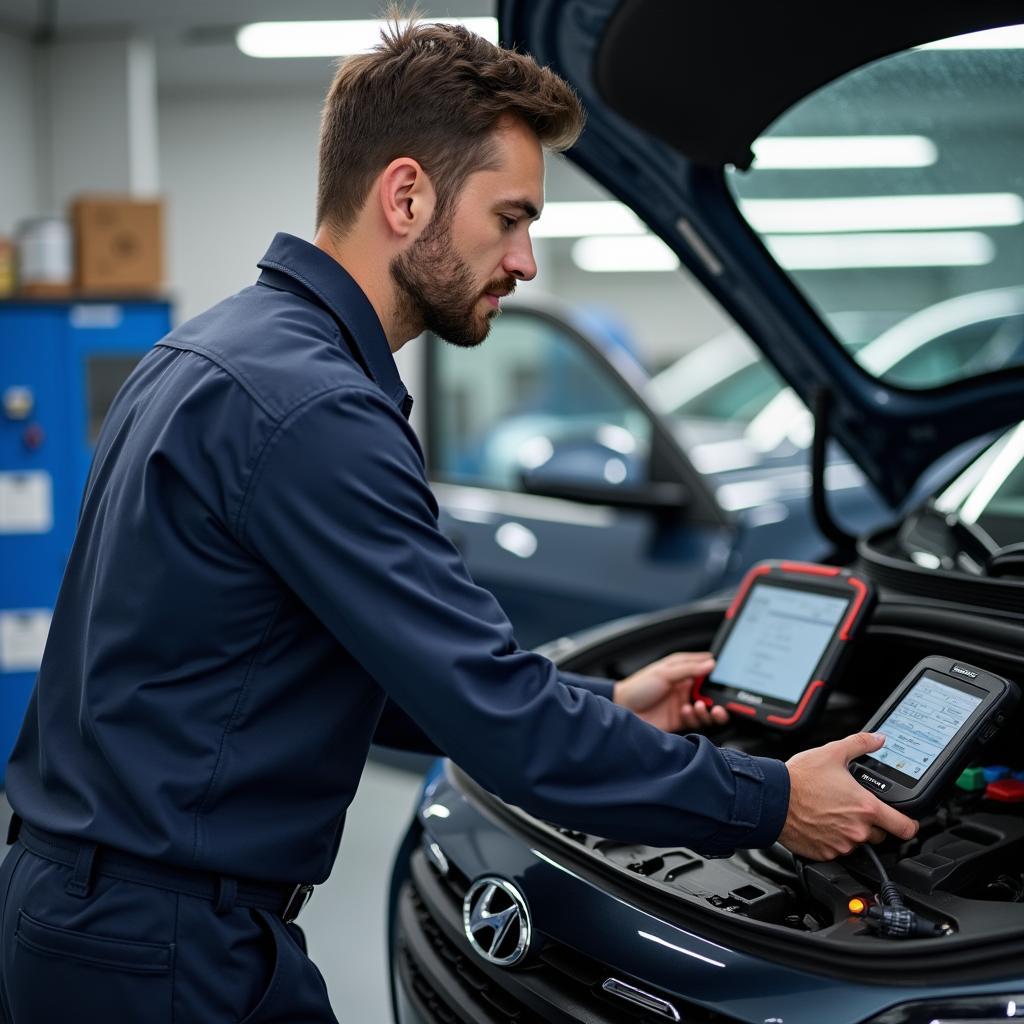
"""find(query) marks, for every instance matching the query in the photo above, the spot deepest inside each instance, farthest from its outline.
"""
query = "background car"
(977, 333)
(575, 501)
(623, 931)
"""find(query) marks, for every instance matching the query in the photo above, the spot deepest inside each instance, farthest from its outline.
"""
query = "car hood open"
(674, 93)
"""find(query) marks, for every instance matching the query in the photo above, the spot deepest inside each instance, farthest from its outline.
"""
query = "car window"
(740, 396)
(724, 378)
(900, 187)
(533, 398)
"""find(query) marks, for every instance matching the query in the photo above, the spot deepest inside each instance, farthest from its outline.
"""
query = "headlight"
(982, 1009)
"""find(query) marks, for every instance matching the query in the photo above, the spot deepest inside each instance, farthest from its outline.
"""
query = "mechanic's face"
(454, 274)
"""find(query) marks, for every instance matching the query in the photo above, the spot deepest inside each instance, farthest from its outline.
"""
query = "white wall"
(96, 119)
(234, 170)
(18, 193)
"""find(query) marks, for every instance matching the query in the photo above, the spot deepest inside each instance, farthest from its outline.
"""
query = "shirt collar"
(290, 260)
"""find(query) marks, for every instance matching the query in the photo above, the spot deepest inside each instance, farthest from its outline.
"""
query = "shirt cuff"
(759, 807)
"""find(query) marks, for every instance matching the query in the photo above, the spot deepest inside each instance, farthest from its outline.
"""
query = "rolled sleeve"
(340, 507)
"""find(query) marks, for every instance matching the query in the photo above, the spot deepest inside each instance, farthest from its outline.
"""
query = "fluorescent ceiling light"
(836, 151)
(614, 254)
(1009, 38)
(803, 216)
(333, 38)
(884, 213)
(896, 249)
(575, 219)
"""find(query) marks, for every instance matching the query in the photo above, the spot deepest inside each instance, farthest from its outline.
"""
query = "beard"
(436, 291)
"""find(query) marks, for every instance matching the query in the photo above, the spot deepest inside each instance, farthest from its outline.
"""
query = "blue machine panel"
(60, 365)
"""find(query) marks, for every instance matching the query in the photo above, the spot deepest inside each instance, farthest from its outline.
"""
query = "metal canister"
(45, 256)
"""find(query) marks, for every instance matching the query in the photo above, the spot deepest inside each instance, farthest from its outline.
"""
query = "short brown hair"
(435, 93)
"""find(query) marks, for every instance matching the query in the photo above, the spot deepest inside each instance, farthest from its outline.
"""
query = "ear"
(407, 198)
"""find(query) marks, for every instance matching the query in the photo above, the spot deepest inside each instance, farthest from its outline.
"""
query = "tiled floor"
(344, 922)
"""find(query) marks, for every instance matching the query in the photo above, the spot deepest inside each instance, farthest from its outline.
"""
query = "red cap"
(1007, 791)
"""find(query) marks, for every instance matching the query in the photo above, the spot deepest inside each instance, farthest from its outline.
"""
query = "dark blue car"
(797, 159)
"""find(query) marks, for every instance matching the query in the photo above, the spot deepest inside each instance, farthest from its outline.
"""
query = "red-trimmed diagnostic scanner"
(783, 641)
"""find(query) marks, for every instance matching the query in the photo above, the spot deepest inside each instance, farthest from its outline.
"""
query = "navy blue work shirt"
(258, 567)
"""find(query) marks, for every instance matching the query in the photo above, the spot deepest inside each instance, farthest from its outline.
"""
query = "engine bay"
(964, 871)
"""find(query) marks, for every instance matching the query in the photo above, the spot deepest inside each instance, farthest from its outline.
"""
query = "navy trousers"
(125, 953)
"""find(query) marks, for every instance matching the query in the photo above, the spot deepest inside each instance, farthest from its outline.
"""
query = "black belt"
(87, 859)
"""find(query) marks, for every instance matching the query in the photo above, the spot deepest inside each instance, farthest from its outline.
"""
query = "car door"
(565, 492)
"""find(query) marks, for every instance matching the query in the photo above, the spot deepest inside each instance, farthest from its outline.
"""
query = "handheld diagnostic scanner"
(933, 723)
(784, 641)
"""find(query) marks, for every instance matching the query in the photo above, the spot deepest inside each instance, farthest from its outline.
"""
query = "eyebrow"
(525, 205)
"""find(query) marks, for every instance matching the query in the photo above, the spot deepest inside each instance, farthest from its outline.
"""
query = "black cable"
(888, 893)
(894, 919)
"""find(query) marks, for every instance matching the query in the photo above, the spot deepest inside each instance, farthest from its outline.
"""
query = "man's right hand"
(829, 813)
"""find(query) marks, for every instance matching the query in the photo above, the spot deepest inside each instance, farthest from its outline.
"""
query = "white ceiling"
(195, 38)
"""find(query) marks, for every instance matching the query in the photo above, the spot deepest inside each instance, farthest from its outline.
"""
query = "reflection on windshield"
(989, 494)
(908, 195)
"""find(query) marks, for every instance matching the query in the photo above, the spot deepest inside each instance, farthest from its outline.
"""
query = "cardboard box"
(119, 247)
(41, 290)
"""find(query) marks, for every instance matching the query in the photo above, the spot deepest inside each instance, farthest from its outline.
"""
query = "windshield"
(899, 189)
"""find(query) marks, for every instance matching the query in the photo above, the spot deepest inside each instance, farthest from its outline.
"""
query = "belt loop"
(227, 891)
(80, 883)
(13, 828)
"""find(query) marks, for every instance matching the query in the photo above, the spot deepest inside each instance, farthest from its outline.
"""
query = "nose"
(519, 261)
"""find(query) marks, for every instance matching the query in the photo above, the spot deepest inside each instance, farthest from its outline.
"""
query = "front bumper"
(588, 935)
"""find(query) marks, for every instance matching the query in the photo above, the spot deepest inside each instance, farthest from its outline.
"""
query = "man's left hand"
(660, 693)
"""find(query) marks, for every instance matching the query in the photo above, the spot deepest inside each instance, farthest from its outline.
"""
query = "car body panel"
(558, 566)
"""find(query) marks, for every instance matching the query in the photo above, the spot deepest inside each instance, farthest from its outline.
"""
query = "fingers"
(696, 716)
(894, 822)
(719, 715)
(877, 835)
(687, 665)
(699, 714)
(858, 744)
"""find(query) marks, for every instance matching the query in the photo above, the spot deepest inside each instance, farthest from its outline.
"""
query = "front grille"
(450, 984)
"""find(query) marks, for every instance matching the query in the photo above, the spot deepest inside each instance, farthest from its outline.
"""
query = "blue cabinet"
(60, 365)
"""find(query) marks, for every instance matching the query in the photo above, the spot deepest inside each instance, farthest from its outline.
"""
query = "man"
(258, 569)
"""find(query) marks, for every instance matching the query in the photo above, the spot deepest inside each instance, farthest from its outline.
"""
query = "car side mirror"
(660, 497)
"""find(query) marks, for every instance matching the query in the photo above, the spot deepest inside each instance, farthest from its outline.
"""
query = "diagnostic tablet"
(783, 641)
(933, 722)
